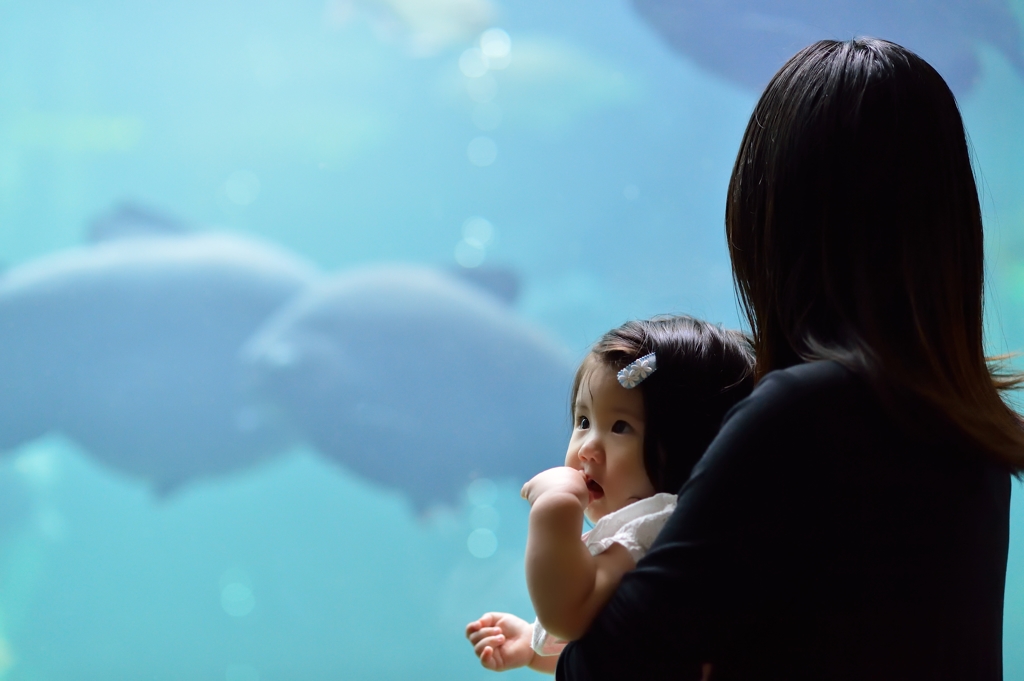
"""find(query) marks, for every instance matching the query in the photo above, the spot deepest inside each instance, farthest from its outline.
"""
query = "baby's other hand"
(501, 641)
(561, 479)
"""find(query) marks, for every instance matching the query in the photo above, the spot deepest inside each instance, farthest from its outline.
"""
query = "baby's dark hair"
(703, 370)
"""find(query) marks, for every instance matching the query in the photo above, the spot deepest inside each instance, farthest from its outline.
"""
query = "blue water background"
(311, 125)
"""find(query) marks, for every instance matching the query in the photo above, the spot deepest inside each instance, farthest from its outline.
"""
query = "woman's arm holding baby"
(567, 585)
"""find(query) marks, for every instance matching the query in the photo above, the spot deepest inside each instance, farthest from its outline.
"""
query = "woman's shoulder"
(809, 387)
(822, 407)
(808, 378)
(801, 412)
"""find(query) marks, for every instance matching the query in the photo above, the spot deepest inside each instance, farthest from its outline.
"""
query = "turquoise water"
(356, 134)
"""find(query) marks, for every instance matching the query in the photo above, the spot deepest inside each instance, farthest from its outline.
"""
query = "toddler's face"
(607, 443)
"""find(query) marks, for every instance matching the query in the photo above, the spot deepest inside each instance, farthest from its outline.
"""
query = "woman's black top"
(816, 539)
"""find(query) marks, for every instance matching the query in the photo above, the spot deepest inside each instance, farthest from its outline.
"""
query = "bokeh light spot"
(495, 44)
(482, 90)
(469, 255)
(482, 543)
(237, 599)
(484, 517)
(482, 151)
(473, 63)
(482, 492)
(477, 231)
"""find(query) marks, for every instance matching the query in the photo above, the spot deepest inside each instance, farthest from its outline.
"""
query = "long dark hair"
(855, 234)
(703, 370)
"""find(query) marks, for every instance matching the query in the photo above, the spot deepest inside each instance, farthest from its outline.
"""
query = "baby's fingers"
(492, 659)
(487, 659)
(482, 633)
(488, 620)
(490, 642)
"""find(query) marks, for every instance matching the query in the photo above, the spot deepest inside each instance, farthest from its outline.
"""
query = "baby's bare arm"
(567, 585)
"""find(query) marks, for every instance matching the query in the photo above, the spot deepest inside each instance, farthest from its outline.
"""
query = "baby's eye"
(584, 423)
(621, 427)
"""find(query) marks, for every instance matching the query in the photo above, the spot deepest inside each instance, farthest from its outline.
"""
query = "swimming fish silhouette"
(130, 348)
(747, 41)
(415, 379)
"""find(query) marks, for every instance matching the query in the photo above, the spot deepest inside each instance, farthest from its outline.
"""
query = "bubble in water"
(631, 192)
(473, 63)
(477, 231)
(236, 593)
(237, 599)
(482, 492)
(482, 90)
(242, 187)
(486, 116)
(495, 43)
(484, 517)
(482, 543)
(482, 151)
(241, 672)
(469, 255)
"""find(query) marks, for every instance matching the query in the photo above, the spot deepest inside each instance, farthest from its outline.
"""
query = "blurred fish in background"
(414, 379)
(170, 356)
(129, 347)
(749, 40)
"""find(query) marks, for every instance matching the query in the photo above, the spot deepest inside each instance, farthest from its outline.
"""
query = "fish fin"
(164, 489)
(129, 219)
(501, 282)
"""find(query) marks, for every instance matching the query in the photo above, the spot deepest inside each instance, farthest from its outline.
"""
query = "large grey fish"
(746, 41)
(415, 379)
(130, 347)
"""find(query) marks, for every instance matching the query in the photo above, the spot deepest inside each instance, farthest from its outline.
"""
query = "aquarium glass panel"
(293, 293)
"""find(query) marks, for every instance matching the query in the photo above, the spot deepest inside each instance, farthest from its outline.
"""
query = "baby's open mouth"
(596, 491)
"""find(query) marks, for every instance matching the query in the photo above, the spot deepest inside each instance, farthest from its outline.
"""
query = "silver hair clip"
(633, 374)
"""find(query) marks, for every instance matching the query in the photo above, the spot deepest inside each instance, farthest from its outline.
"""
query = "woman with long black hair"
(851, 519)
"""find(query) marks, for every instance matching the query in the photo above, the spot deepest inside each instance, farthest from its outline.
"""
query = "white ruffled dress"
(634, 527)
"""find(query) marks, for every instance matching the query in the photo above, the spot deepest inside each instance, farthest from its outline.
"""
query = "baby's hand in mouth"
(560, 479)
